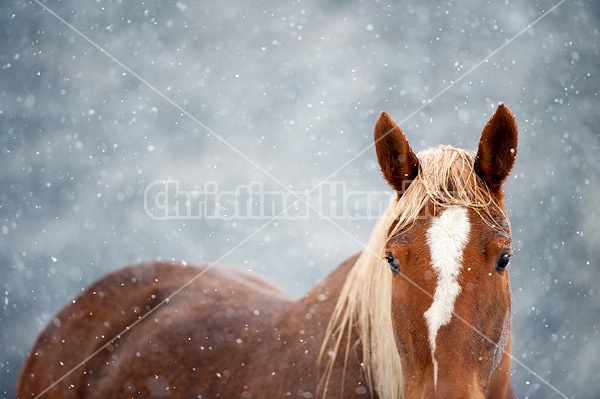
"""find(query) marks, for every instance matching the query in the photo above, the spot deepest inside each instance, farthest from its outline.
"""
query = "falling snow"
(294, 89)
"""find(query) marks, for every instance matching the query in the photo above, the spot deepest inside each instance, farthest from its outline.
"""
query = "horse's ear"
(397, 160)
(497, 148)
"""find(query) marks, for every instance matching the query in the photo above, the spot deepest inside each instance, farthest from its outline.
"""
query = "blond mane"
(446, 178)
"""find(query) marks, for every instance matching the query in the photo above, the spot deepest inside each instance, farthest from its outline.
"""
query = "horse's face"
(450, 301)
(450, 291)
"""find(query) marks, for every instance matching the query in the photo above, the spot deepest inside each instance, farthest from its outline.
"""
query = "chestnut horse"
(422, 312)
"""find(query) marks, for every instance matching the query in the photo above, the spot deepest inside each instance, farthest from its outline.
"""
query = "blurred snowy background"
(296, 87)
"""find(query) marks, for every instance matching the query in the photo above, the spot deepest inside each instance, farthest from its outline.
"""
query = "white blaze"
(446, 237)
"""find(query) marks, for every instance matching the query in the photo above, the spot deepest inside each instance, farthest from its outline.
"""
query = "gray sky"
(286, 96)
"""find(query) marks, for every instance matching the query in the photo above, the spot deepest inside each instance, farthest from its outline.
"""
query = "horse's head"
(448, 251)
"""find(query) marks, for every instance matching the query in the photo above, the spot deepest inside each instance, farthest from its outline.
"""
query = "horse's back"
(180, 329)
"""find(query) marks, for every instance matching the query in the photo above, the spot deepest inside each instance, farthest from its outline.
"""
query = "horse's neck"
(303, 328)
(318, 304)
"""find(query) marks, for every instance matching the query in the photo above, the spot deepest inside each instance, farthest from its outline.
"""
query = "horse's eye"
(502, 263)
(393, 263)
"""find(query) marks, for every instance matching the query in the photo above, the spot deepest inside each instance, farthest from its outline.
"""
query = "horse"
(424, 311)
